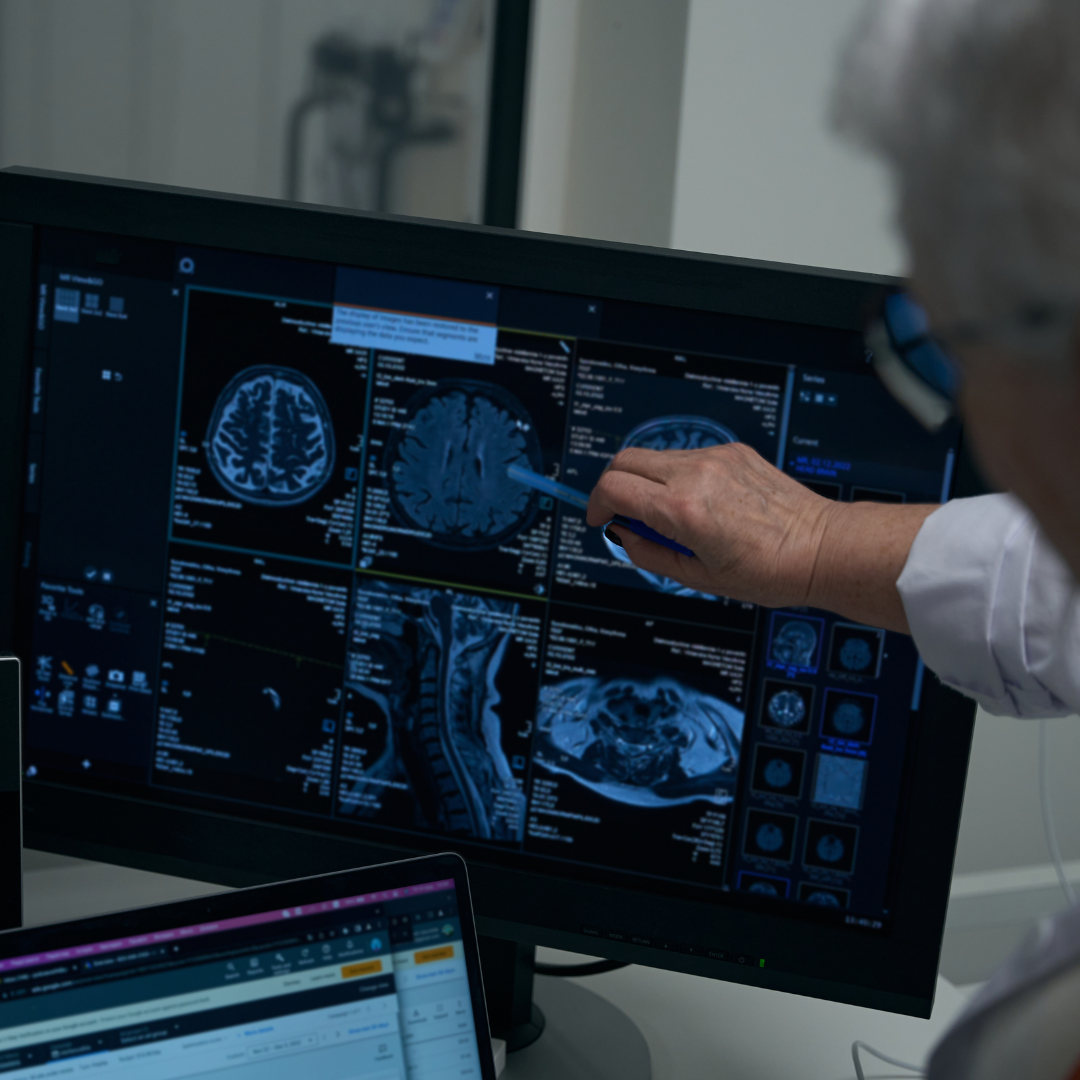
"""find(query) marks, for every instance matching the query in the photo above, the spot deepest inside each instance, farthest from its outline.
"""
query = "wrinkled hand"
(756, 533)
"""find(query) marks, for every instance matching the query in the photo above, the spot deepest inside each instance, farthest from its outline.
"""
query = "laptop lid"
(369, 974)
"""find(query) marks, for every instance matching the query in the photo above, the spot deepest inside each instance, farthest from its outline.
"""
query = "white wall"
(603, 117)
(758, 174)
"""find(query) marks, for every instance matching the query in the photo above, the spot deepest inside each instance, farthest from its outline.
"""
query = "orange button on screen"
(426, 956)
(368, 967)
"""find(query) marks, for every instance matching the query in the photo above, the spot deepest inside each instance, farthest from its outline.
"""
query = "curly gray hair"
(976, 106)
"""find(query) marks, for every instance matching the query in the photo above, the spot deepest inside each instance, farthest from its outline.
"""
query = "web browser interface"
(370, 987)
(294, 542)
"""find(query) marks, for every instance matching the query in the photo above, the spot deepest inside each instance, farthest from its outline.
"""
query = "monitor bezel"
(826, 961)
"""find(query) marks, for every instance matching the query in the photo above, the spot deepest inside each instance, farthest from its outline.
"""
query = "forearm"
(862, 553)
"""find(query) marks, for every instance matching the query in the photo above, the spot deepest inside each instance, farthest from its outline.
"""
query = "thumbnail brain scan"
(855, 654)
(271, 440)
(429, 660)
(795, 645)
(672, 433)
(830, 848)
(786, 708)
(763, 888)
(778, 773)
(645, 743)
(848, 718)
(820, 896)
(446, 465)
(769, 837)
(679, 433)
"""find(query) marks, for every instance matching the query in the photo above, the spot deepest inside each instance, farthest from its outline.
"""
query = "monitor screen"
(292, 553)
(371, 986)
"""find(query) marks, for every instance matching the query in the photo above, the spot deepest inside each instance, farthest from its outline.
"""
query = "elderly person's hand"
(757, 534)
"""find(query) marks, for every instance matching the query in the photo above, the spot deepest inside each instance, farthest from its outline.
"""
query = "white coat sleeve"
(993, 609)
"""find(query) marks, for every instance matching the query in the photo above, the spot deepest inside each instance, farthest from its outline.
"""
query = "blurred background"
(700, 124)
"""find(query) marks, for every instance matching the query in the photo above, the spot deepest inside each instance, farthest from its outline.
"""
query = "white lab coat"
(993, 608)
(995, 612)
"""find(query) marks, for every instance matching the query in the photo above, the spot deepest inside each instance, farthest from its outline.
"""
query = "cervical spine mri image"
(446, 466)
(649, 744)
(430, 664)
(271, 441)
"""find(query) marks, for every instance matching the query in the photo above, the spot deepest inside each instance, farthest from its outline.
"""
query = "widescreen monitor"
(291, 596)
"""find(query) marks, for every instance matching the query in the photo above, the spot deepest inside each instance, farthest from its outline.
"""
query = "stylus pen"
(581, 501)
(548, 487)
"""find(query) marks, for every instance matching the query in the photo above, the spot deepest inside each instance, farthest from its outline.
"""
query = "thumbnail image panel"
(778, 771)
(440, 693)
(786, 706)
(452, 446)
(251, 680)
(637, 745)
(795, 643)
(855, 651)
(770, 836)
(626, 397)
(271, 427)
(823, 896)
(830, 846)
(92, 677)
(839, 781)
(764, 885)
(848, 717)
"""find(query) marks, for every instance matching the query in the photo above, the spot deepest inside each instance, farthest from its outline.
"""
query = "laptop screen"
(373, 986)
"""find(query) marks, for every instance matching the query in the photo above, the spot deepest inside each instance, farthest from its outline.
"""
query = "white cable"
(857, 1046)
(1048, 812)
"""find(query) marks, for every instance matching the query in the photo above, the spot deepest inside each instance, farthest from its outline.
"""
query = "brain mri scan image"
(830, 845)
(271, 441)
(855, 654)
(786, 709)
(438, 655)
(787, 706)
(646, 743)
(769, 835)
(849, 716)
(446, 466)
(810, 893)
(760, 885)
(778, 770)
(856, 650)
(794, 643)
(672, 433)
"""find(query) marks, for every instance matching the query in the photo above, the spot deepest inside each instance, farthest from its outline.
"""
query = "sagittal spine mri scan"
(646, 743)
(430, 663)
(271, 440)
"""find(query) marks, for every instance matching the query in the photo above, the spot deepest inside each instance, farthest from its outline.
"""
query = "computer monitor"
(291, 596)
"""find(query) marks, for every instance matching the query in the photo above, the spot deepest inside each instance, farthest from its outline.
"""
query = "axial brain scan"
(679, 433)
(763, 888)
(786, 708)
(795, 644)
(769, 837)
(830, 848)
(271, 441)
(855, 654)
(655, 743)
(447, 466)
(825, 899)
(848, 718)
(778, 773)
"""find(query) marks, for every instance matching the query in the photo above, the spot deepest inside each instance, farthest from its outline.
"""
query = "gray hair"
(975, 104)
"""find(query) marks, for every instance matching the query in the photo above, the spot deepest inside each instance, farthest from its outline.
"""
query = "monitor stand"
(559, 1028)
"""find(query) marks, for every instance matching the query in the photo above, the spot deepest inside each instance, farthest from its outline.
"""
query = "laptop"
(369, 974)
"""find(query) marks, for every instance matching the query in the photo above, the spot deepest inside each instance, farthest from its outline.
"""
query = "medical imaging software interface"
(290, 549)
(370, 987)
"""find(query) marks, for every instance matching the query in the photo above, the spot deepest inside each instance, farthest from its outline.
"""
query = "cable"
(1048, 812)
(857, 1046)
(574, 971)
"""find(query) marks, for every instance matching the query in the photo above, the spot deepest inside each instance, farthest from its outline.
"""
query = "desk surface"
(694, 1027)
